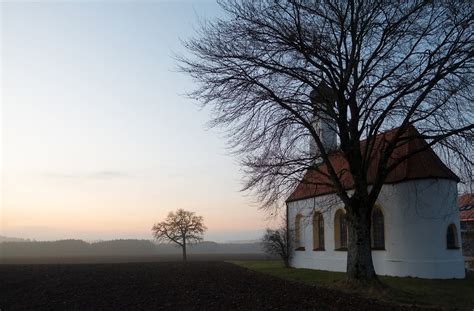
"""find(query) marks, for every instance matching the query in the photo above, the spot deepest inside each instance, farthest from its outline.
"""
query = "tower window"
(452, 237)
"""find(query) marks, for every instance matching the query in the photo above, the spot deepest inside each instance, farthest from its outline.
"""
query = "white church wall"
(416, 217)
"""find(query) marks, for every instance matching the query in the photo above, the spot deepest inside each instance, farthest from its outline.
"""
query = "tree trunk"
(184, 251)
(359, 251)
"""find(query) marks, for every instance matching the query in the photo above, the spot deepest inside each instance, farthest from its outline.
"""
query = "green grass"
(445, 294)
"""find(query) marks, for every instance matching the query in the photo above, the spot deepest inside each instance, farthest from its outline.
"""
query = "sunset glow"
(98, 141)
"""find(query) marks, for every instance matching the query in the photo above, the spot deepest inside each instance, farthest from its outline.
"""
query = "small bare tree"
(277, 242)
(180, 227)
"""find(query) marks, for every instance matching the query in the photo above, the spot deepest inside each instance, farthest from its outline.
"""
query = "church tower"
(322, 98)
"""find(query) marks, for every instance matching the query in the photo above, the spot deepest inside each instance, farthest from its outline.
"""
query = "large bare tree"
(180, 227)
(383, 65)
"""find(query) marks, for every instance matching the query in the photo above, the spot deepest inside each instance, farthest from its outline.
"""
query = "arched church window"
(318, 232)
(340, 230)
(299, 244)
(378, 229)
(452, 237)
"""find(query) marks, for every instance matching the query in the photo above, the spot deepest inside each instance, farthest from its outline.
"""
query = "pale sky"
(98, 141)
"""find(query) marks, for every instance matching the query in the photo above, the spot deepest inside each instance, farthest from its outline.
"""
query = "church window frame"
(299, 238)
(377, 228)
(318, 232)
(341, 230)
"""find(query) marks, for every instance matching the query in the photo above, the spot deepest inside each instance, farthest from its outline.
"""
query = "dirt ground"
(131, 258)
(196, 285)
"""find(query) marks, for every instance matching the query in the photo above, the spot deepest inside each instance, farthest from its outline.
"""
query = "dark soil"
(162, 286)
(126, 259)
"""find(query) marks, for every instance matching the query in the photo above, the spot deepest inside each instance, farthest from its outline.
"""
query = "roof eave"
(289, 200)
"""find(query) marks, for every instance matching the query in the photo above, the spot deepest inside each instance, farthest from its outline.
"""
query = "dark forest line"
(131, 247)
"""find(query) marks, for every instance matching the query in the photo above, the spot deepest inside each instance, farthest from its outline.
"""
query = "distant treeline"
(74, 248)
(9, 239)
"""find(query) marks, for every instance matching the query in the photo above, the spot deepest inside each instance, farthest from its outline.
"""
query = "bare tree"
(381, 65)
(277, 242)
(180, 227)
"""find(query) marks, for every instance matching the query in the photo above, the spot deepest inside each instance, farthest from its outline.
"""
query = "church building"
(415, 222)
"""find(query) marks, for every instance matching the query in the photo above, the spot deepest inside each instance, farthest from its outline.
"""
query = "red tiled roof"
(422, 165)
(466, 207)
